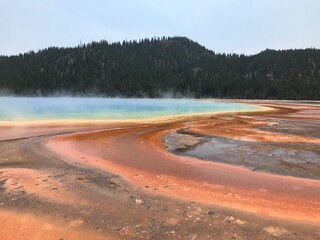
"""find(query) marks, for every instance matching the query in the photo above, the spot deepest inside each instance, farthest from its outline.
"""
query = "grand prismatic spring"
(102, 168)
(113, 109)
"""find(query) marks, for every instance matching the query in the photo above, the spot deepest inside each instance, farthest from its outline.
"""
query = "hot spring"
(15, 109)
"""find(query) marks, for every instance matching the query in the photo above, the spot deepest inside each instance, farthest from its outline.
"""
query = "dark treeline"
(151, 67)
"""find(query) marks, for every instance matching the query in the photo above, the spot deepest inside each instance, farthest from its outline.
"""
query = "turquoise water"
(69, 108)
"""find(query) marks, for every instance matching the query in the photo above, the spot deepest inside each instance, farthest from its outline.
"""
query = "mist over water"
(71, 108)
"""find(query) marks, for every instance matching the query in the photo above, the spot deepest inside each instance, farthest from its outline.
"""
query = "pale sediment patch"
(275, 231)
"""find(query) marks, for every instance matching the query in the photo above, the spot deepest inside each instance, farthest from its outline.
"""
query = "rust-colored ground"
(118, 181)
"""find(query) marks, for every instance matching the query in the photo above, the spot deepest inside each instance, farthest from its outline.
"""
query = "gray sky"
(232, 26)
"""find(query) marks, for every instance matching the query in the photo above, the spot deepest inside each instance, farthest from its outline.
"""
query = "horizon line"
(157, 38)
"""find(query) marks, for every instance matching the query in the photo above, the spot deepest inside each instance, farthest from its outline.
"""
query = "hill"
(154, 67)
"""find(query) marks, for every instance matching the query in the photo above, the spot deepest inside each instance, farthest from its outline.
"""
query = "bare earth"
(226, 176)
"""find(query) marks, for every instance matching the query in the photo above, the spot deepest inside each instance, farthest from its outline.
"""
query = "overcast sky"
(231, 26)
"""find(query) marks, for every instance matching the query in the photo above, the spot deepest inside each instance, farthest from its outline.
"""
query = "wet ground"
(298, 159)
(292, 159)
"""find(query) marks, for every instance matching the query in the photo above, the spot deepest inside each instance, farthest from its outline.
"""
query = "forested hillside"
(153, 67)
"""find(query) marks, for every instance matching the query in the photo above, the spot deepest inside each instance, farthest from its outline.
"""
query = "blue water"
(69, 108)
